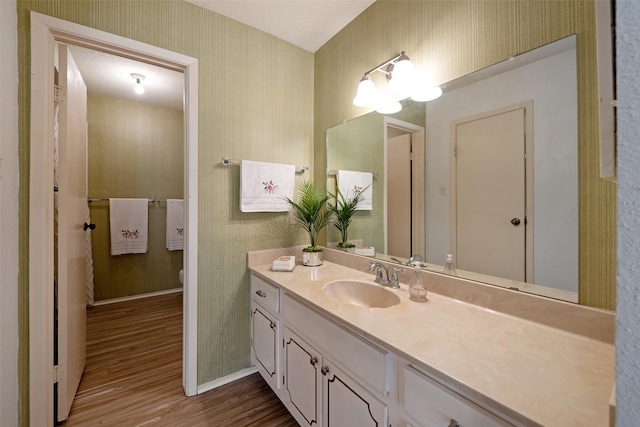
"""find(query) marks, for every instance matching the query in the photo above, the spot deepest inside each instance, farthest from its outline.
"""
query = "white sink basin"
(362, 294)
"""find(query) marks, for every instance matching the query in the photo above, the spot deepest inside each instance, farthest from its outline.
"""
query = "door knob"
(89, 226)
(515, 221)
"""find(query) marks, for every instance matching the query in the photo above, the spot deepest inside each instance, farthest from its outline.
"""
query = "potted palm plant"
(343, 210)
(312, 216)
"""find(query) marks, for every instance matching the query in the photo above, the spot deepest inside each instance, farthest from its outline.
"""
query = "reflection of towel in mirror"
(351, 183)
(175, 224)
(128, 222)
(263, 186)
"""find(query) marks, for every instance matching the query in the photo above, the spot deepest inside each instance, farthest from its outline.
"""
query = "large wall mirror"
(492, 175)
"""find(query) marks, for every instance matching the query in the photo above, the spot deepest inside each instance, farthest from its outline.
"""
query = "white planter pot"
(312, 259)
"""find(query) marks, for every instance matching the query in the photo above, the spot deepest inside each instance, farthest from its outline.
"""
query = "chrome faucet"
(384, 280)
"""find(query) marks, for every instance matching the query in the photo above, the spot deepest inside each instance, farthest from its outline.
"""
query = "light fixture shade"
(403, 78)
(388, 105)
(426, 93)
(366, 96)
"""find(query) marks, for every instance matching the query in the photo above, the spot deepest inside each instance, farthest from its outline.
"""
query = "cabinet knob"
(272, 325)
(261, 293)
(313, 361)
(453, 423)
(324, 370)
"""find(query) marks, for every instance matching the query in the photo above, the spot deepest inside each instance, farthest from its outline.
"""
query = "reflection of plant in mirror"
(343, 210)
(310, 213)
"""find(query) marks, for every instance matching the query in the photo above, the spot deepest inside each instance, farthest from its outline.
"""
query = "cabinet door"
(347, 403)
(302, 392)
(264, 342)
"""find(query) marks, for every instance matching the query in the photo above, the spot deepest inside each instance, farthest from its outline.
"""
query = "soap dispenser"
(449, 267)
(417, 288)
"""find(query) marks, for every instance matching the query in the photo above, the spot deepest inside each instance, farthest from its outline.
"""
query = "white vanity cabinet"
(332, 378)
(328, 375)
(318, 392)
(265, 331)
(424, 402)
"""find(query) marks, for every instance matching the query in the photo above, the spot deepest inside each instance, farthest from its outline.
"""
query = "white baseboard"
(203, 388)
(135, 297)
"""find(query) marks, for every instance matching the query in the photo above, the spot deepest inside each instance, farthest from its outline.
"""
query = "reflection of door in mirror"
(488, 193)
(404, 187)
(399, 196)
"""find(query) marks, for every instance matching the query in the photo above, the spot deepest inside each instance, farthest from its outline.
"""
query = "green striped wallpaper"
(134, 150)
(453, 38)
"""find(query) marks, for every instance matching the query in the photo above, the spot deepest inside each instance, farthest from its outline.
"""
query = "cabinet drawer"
(431, 404)
(265, 293)
(367, 362)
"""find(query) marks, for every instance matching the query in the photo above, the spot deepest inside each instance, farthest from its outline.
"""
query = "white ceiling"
(109, 75)
(305, 23)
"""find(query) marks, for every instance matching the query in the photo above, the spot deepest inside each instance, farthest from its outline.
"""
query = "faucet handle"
(394, 277)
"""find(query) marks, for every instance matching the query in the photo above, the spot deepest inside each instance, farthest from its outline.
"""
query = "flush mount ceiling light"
(139, 78)
(403, 83)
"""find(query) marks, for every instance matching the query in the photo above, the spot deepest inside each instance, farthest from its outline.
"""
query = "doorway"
(404, 190)
(45, 33)
(492, 230)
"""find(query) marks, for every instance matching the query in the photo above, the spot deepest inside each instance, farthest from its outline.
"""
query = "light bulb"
(139, 89)
(139, 78)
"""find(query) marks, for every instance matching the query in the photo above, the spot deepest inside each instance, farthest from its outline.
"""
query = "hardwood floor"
(133, 375)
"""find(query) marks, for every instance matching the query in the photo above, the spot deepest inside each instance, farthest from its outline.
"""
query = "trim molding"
(139, 296)
(203, 388)
(46, 31)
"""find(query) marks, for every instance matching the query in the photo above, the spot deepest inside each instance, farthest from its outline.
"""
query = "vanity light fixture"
(403, 83)
(139, 78)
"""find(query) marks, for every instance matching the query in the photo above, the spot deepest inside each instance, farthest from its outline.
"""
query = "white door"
(72, 212)
(490, 195)
(399, 196)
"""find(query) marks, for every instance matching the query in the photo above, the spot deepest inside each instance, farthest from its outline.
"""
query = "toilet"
(181, 277)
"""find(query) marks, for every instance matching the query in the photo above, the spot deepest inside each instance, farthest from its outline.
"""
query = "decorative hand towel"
(175, 224)
(351, 183)
(263, 186)
(128, 222)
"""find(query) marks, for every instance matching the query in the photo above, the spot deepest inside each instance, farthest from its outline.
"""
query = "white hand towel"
(263, 186)
(175, 224)
(128, 222)
(351, 183)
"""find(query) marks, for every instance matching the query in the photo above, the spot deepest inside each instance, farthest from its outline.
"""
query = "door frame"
(46, 31)
(418, 191)
(528, 140)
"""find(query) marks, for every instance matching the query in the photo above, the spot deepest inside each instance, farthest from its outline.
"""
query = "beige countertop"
(532, 373)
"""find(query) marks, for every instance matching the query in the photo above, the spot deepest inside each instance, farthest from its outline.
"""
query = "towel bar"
(335, 172)
(227, 161)
(151, 200)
